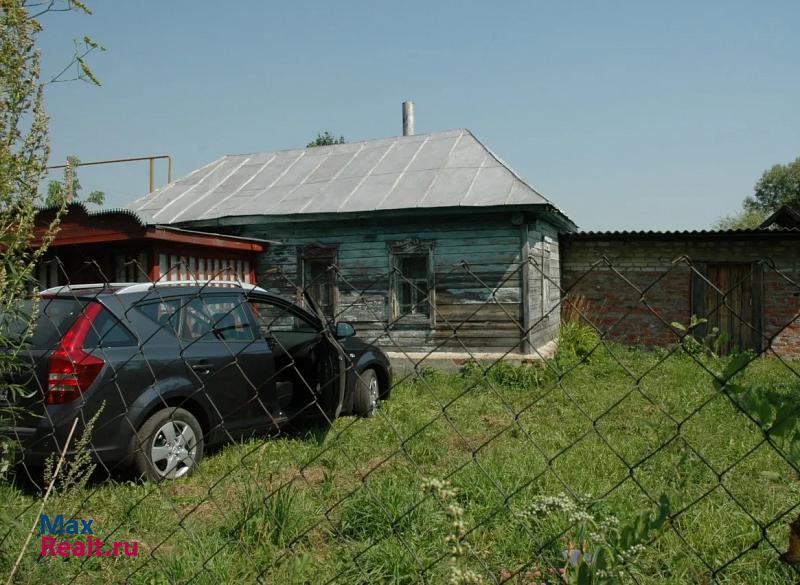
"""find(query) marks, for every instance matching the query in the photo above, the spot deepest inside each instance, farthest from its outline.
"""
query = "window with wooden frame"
(411, 290)
(318, 276)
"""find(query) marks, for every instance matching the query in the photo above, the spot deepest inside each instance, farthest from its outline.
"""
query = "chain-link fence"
(237, 435)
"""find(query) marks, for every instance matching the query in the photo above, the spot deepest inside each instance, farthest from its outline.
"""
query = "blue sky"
(627, 115)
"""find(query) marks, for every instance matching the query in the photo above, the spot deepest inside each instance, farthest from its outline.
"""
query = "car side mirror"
(344, 330)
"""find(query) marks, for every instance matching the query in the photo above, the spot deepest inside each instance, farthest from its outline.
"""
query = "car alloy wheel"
(374, 392)
(173, 449)
(367, 393)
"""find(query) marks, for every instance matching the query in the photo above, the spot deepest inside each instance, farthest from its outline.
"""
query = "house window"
(319, 277)
(411, 282)
(412, 285)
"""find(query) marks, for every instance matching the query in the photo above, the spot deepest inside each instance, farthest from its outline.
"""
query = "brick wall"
(635, 286)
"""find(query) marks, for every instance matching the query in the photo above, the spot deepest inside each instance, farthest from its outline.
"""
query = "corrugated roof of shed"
(442, 169)
(775, 232)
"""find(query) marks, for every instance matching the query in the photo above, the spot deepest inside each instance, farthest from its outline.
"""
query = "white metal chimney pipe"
(408, 118)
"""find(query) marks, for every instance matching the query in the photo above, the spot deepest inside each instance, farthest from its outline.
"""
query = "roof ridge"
(346, 144)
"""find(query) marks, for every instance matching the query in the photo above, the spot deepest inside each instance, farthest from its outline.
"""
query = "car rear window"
(107, 331)
(54, 317)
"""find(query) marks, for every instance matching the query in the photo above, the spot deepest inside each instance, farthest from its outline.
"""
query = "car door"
(228, 362)
(307, 362)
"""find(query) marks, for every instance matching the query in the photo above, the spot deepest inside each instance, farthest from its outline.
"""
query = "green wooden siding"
(478, 276)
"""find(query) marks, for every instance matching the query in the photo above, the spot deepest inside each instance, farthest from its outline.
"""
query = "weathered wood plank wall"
(544, 289)
(479, 291)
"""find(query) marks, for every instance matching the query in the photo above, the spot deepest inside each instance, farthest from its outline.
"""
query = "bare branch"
(82, 49)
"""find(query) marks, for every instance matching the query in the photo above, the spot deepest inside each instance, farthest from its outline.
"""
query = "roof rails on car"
(145, 286)
(65, 288)
(129, 287)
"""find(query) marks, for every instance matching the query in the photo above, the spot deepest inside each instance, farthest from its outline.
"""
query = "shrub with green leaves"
(577, 342)
(23, 158)
(77, 469)
(23, 166)
(595, 548)
(776, 413)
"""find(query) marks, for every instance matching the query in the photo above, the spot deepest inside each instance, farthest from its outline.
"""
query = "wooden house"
(426, 243)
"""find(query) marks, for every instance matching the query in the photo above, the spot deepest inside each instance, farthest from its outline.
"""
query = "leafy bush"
(576, 343)
(77, 469)
(710, 345)
(596, 546)
(508, 375)
(471, 370)
(425, 376)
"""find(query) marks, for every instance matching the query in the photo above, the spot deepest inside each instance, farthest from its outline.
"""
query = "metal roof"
(78, 208)
(442, 169)
(785, 214)
(678, 234)
(81, 207)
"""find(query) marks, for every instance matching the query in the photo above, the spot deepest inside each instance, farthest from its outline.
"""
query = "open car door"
(337, 397)
(309, 361)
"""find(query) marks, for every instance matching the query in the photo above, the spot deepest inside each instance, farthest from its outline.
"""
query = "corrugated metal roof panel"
(443, 169)
(679, 233)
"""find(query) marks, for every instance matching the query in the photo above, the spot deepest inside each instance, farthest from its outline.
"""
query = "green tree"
(746, 219)
(325, 139)
(778, 186)
(57, 190)
(24, 151)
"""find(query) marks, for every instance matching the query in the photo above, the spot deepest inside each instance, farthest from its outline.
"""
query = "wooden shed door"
(730, 306)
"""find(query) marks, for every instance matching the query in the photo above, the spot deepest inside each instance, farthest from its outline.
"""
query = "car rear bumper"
(47, 438)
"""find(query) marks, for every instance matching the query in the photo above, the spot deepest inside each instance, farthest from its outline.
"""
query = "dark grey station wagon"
(168, 370)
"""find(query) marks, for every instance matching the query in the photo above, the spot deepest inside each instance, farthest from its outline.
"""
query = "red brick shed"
(635, 284)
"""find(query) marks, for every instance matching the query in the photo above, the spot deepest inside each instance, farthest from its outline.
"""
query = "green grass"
(622, 427)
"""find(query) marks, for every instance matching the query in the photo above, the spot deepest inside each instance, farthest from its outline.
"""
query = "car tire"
(367, 393)
(169, 445)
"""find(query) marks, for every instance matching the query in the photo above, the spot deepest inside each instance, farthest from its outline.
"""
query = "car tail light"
(72, 370)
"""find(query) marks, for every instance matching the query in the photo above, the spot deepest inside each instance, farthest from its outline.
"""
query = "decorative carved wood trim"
(410, 246)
